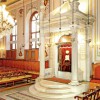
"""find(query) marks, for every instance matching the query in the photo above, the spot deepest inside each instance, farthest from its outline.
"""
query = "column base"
(74, 83)
(39, 79)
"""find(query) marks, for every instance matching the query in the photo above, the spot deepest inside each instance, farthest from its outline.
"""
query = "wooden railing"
(93, 94)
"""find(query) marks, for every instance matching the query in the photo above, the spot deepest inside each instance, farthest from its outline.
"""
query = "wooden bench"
(12, 81)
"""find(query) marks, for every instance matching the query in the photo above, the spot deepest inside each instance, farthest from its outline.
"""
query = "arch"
(34, 30)
(27, 21)
(65, 38)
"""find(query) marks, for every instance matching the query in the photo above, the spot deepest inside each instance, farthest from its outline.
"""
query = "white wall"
(19, 17)
(97, 42)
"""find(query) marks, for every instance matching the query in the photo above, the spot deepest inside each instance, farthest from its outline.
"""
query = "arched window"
(34, 31)
(13, 38)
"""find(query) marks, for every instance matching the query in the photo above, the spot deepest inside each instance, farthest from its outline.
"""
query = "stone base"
(47, 90)
(74, 83)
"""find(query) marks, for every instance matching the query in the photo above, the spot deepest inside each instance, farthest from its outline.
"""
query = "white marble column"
(88, 52)
(51, 50)
(74, 68)
(56, 60)
(42, 41)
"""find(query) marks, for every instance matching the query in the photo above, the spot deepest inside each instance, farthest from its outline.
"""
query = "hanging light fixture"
(88, 20)
(88, 12)
(6, 22)
(23, 24)
(31, 40)
(60, 18)
(49, 44)
(59, 23)
(60, 27)
(22, 45)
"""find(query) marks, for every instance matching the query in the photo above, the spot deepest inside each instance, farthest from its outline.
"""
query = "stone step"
(51, 84)
(50, 95)
(46, 89)
(54, 90)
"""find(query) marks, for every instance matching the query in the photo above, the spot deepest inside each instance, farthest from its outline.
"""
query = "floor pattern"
(2, 99)
(24, 95)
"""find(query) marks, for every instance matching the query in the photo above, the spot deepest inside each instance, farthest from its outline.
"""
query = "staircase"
(49, 90)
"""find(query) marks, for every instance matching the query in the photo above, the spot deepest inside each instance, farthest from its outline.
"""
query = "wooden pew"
(91, 95)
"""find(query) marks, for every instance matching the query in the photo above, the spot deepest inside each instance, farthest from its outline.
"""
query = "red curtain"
(63, 50)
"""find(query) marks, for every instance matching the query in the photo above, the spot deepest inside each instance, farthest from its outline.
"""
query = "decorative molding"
(35, 6)
(80, 21)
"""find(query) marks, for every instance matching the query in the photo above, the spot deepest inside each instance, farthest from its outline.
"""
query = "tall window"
(34, 36)
(14, 37)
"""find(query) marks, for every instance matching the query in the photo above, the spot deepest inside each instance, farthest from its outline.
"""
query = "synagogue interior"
(49, 49)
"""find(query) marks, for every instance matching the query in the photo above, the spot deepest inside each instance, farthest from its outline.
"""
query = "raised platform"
(47, 90)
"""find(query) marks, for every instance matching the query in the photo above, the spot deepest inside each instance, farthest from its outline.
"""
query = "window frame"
(11, 38)
(30, 29)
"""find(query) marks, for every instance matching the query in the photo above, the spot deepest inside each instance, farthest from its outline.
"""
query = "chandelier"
(6, 22)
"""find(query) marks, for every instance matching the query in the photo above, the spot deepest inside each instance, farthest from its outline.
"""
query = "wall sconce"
(23, 45)
(48, 44)
(38, 44)
(20, 52)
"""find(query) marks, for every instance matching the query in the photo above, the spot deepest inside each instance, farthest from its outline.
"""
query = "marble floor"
(24, 88)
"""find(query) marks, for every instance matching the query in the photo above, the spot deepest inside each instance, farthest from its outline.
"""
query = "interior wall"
(97, 39)
(22, 40)
(94, 9)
